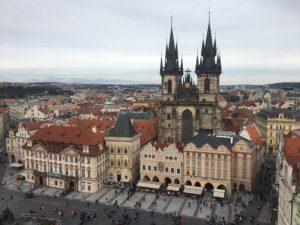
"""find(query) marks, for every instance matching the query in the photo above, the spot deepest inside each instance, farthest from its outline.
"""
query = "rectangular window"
(88, 160)
(244, 173)
(67, 172)
(55, 182)
(225, 175)
(83, 173)
(193, 162)
(199, 173)
(144, 167)
(178, 171)
(206, 173)
(155, 168)
(89, 173)
(193, 173)
(89, 188)
(172, 170)
(82, 160)
(166, 169)
(149, 168)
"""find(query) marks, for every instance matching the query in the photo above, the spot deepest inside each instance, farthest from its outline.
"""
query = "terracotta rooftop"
(292, 153)
(255, 135)
(148, 129)
(68, 135)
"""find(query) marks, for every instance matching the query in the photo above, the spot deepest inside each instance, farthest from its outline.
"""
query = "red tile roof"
(292, 153)
(68, 135)
(148, 129)
(255, 135)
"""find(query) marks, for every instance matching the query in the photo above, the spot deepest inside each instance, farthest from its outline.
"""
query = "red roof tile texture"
(255, 135)
(148, 129)
(68, 135)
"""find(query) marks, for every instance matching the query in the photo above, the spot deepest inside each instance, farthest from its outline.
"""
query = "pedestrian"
(11, 197)
(189, 204)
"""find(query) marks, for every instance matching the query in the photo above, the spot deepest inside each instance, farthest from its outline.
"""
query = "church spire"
(197, 62)
(171, 57)
(208, 53)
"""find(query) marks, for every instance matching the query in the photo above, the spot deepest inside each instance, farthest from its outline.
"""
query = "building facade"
(222, 161)
(123, 144)
(187, 107)
(4, 124)
(288, 178)
(70, 158)
(273, 122)
(162, 162)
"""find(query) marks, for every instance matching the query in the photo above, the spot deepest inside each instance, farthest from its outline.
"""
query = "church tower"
(186, 107)
(208, 72)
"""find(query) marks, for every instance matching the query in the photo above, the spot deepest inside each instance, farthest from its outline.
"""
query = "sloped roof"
(123, 127)
(214, 141)
(148, 129)
(255, 135)
(67, 135)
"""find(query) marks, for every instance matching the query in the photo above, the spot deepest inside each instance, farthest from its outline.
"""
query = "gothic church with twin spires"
(187, 107)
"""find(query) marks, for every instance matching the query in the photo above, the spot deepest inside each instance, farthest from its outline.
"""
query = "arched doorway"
(72, 186)
(146, 178)
(176, 181)
(187, 126)
(13, 158)
(197, 184)
(41, 181)
(188, 183)
(242, 187)
(221, 186)
(155, 179)
(209, 187)
(119, 176)
(167, 181)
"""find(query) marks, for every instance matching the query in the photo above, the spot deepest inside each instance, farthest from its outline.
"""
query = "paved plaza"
(206, 207)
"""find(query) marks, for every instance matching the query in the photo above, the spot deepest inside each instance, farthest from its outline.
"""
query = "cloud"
(124, 39)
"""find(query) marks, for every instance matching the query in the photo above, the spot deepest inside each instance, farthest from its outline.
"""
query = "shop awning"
(173, 187)
(148, 184)
(192, 190)
(16, 165)
(219, 193)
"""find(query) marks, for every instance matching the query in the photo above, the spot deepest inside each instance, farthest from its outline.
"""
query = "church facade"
(188, 107)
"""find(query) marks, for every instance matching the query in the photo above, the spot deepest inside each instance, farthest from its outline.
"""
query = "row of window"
(212, 174)
(119, 163)
(279, 127)
(119, 151)
(207, 155)
(167, 169)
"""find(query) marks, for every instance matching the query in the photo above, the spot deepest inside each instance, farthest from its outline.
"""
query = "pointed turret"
(171, 57)
(219, 61)
(161, 64)
(208, 52)
(197, 63)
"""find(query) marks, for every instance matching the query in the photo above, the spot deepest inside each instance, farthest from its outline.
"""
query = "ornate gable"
(71, 151)
(39, 148)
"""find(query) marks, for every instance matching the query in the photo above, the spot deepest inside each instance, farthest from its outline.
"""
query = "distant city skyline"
(122, 41)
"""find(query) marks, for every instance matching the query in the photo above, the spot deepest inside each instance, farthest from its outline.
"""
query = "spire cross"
(209, 14)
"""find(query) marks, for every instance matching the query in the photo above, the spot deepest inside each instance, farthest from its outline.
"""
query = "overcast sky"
(122, 40)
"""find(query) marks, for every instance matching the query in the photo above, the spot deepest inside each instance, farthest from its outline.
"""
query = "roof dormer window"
(86, 149)
(29, 143)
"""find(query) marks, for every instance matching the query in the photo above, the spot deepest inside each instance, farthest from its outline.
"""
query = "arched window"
(187, 125)
(125, 163)
(207, 84)
(125, 150)
(169, 86)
